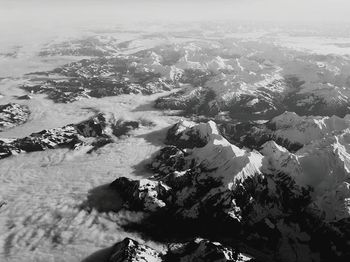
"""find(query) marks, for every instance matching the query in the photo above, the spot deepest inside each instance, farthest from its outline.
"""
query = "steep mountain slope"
(272, 200)
(288, 129)
(129, 250)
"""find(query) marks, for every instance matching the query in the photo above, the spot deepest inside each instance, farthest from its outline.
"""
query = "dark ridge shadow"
(166, 228)
(156, 227)
(103, 199)
(156, 138)
(102, 255)
(142, 169)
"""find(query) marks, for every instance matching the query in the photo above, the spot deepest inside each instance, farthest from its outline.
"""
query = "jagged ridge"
(273, 200)
(198, 249)
(93, 133)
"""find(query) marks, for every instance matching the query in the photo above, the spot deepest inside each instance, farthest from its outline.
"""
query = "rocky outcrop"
(291, 205)
(12, 115)
(204, 250)
(129, 250)
(92, 133)
(123, 127)
(24, 97)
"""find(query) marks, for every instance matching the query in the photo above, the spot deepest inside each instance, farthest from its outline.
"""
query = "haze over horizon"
(33, 21)
(328, 11)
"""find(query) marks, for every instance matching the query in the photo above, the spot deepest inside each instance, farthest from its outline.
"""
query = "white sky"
(31, 20)
(125, 10)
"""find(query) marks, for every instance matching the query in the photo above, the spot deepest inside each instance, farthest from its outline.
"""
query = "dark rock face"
(254, 134)
(188, 139)
(237, 195)
(70, 136)
(142, 195)
(122, 127)
(12, 115)
(198, 249)
(169, 159)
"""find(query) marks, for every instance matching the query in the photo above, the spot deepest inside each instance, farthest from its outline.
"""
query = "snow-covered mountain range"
(270, 197)
(245, 79)
(247, 140)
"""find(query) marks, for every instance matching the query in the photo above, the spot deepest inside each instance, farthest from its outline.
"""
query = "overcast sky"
(126, 10)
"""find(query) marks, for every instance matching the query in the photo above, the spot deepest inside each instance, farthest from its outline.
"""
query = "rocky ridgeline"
(93, 133)
(106, 76)
(280, 205)
(12, 115)
(263, 103)
(197, 250)
(249, 81)
(288, 129)
(89, 46)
